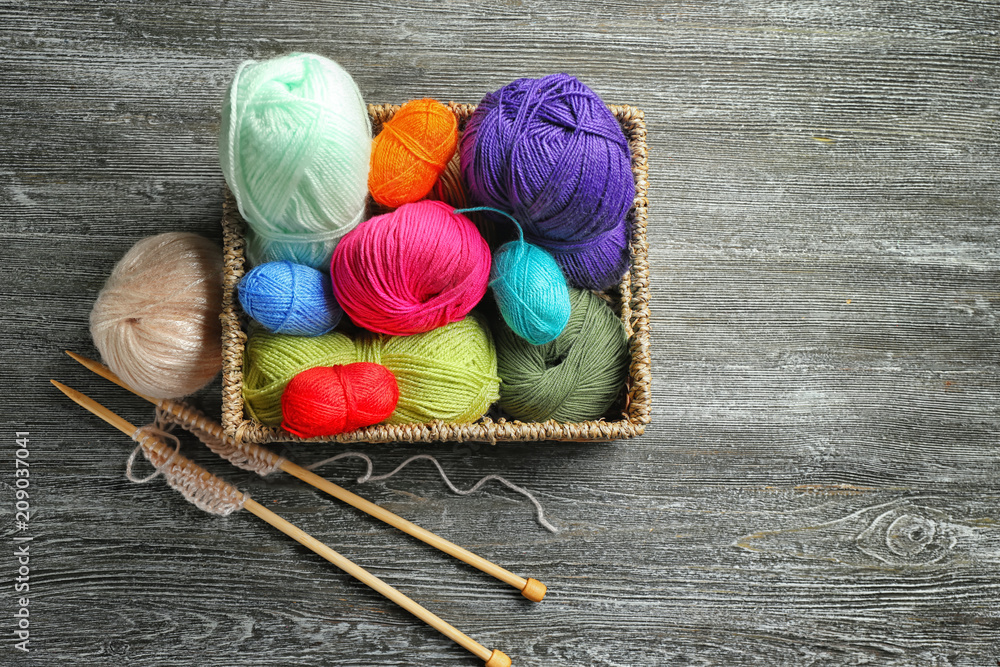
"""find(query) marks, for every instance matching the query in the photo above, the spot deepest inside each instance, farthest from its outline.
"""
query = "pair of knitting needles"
(530, 588)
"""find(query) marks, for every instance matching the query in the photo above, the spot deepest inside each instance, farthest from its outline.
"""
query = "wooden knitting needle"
(530, 588)
(494, 658)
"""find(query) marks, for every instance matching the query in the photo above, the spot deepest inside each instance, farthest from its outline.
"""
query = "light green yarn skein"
(295, 145)
(449, 373)
(576, 377)
(270, 361)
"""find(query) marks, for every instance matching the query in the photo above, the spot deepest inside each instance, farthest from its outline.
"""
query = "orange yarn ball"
(411, 151)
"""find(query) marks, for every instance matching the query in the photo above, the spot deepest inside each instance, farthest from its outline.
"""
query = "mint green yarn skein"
(294, 145)
(449, 373)
(576, 377)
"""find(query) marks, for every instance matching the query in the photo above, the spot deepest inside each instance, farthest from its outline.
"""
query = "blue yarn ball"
(530, 291)
(289, 298)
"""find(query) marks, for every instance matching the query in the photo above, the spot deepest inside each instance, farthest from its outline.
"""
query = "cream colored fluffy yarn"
(156, 321)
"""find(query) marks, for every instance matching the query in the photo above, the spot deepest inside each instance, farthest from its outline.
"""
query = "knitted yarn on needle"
(411, 270)
(576, 377)
(550, 152)
(294, 145)
(449, 373)
(290, 298)
(156, 320)
(412, 150)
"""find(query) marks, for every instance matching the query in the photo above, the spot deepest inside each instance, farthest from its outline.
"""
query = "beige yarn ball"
(156, 320)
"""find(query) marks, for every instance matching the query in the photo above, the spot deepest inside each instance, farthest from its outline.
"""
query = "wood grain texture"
(819, 484)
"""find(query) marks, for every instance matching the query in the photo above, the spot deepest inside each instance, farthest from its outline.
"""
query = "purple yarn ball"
(549, 152)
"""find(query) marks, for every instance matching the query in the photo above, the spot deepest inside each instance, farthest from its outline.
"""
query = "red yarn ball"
(418, 268)
(328, 400)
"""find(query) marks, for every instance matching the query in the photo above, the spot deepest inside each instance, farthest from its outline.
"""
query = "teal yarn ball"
(530, 291)
(289, 298)
(576, 377)
(294, 145)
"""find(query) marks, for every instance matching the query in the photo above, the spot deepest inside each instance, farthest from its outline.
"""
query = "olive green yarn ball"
(576, 377)
(447, 374)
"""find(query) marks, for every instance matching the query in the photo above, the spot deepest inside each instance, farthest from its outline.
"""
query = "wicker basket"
(631, 299)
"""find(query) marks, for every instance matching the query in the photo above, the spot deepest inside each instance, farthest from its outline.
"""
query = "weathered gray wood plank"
(819, 483)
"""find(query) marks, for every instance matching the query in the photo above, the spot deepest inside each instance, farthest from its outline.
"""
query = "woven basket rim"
(632, 297)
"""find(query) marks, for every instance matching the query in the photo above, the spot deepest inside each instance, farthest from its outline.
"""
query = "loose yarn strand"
(368, 477)
(475, 209)
(151, 430)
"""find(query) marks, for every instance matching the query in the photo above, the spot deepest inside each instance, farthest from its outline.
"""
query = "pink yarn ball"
(417, 268)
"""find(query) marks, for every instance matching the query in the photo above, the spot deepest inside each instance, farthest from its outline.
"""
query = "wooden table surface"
(821, 480)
